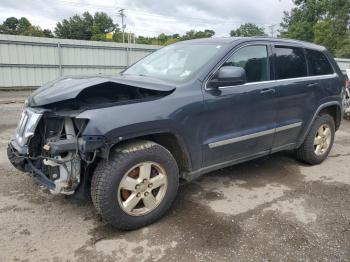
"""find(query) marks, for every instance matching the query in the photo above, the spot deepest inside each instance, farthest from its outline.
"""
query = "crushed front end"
(51, 142)
(50, 147)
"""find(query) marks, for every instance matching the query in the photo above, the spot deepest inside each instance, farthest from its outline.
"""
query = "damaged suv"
(185, 110)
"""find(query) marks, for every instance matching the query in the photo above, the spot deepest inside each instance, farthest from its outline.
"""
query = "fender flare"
(308, 127)
(179, 138)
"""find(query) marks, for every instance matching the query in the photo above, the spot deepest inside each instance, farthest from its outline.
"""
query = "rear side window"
(254, 60)
(318, 63)
(290, 62)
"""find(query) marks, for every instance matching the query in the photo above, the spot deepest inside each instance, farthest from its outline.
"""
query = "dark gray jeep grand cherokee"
(185, 110)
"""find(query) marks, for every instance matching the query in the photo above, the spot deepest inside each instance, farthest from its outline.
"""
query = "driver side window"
(254, 60)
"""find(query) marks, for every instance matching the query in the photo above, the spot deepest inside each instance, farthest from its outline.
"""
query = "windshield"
(175, 63)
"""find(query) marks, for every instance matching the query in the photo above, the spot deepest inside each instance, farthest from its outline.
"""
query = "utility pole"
(272, 29)
(123, 16)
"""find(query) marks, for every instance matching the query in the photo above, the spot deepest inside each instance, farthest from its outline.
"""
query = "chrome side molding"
(254, 135)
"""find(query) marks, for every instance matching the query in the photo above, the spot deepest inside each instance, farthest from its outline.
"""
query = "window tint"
(318, 63)
(253, 59)
(290, 62)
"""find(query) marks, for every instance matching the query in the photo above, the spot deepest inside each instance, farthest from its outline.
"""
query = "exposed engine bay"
(63, 167)
(53, 154)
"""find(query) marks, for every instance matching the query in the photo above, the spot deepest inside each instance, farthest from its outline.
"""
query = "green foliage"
(324, 34)
(76, 27)
(324, 22)
(102, 24)
(164, 39)
(48, 33)
(118, 37)
(296, 27)
(321, 21)
(248, 29)
(344, 48)
(198, 34)
(86, 26)
(22, 26)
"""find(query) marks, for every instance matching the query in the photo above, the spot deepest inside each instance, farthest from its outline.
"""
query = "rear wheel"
(136, 186)
(318, 142)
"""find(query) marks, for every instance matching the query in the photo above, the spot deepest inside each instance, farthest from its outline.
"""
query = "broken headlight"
(26, 126)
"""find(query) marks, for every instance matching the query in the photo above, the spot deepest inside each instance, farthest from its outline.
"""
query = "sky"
(152, 17)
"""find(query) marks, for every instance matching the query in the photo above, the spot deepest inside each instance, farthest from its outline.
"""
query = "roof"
(231, 40)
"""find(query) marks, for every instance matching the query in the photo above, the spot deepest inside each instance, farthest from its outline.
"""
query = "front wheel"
(318, 142)
(136, 186)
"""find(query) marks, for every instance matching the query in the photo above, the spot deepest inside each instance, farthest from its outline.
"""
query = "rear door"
(295, 94)
(322, 75)
(303, 78)
(241, 119)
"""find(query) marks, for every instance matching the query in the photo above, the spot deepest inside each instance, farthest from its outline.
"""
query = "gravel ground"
(269, 209)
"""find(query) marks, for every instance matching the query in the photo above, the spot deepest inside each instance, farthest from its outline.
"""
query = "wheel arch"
(169, 140)
(335, 112)
(333, 108)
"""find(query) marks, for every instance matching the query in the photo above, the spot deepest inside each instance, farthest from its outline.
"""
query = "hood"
(70, 87)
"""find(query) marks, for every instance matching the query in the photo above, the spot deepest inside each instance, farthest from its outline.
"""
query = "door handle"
(268, 91)
(312, 85)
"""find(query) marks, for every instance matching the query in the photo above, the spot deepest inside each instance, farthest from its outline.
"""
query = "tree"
(321, 21)
(48, 33)
(344, 49)
(192, 34)
(163, 39)
(248, 29)
(9, 26)
(324, 34)
(75, 27)
(299, 22)
(102, 24)
(23, 25)
(86, 27)
(20, 26)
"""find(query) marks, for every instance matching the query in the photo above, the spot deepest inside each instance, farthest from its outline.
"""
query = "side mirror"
(228, 76)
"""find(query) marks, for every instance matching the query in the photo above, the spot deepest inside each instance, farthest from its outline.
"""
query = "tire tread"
(305, 152)
(106, 170)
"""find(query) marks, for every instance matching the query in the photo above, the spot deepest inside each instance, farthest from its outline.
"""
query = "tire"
(306, 152)
(109, 174)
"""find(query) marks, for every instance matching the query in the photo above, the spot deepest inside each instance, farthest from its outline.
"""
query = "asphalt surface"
(270, 209)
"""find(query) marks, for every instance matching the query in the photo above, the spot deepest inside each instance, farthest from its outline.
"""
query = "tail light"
(346, 83)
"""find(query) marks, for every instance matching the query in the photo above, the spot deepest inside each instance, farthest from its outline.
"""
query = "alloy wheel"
(142, 188)
(322, 139)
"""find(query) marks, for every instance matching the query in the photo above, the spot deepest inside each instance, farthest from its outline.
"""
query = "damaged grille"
(61, 166)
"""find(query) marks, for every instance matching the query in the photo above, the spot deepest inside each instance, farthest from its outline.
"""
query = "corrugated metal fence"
(343, 63)
(28, 62)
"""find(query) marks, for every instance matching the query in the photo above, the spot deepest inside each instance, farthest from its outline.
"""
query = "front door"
(241, 118)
